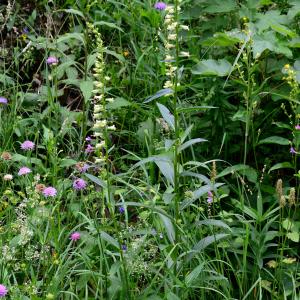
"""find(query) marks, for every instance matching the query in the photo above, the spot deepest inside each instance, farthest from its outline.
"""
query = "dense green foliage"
(150, 152)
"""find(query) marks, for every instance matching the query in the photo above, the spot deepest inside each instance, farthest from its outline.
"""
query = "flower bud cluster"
(102, 125)
(173, 27)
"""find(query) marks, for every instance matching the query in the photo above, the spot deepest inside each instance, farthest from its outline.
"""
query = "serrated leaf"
(166, 114)
(212, 67)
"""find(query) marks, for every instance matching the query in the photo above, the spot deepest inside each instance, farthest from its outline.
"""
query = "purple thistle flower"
(52, 60)
(160, 5)
(121, 210)
(27, 145)
(293, 151)
(89, 148)
(3, 290)
(75, 236)
(79, 184)
(49, 191)
(3, 100)
(297, 127)
(24, 171)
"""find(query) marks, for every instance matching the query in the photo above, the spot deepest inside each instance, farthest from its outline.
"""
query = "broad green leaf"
(159, 94)
(212, 67)
(221, 39)
(96, 180)
(106, 237)
(193, 276)
(67, 162)
(244, 169)
(169, 227)
(115, 54)
(283, 165)
(168, 117)
(118, 103)
(216, 6)
(288, 225)
(111, 25)
(73, 12)
(294, 236)
(69, 36)
(190, 143)
(217, 223)
(274, 140)
(205, 242)
(86, 88)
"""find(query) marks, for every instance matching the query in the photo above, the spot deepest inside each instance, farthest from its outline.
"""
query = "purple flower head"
(89, 148)
(49, 191)
(75, 236)
(3, 100)
(293, 151)
(297, 127)
(124, 247)
(160, 5)
(210, 197)
(121, 210)
(24, 171)
(3, 290)
(27, 145)
(88, 138)
(52, 60)
(25, 30)
(79, 184)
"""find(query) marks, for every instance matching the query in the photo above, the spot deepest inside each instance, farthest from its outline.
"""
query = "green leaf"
(190, 143)
(111, 25)
(193, 109)
(221, 39)
(168, 226)
(283, 165)
(274, 140)
(73, 12)
(294, 236)
(169, 118)
(67, 162)
(205, 242)
(212, 67)
(159, 94)
(86, 88)
(70, 36)
(192, 277)
(96, 180)
(118, 103)
(244, 169)
(217, 223)
(216, 6)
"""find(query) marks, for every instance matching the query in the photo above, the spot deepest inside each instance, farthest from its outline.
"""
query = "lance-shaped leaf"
(169, 118)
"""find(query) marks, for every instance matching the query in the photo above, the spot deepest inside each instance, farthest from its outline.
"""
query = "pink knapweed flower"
(3, 100)
(160, 5)
(3, 290)
(297, 127)
(27, 145)
(75, 236)
(293, 151)
(49, 191)
(79, 184)
(52, 60)
(24, 171)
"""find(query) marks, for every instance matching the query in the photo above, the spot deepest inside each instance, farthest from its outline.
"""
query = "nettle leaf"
(86, 88)
(169, 118)
(211, 67)
(274, 140)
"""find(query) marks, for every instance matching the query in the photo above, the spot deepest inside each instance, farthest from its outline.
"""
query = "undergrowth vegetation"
(149, 150)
